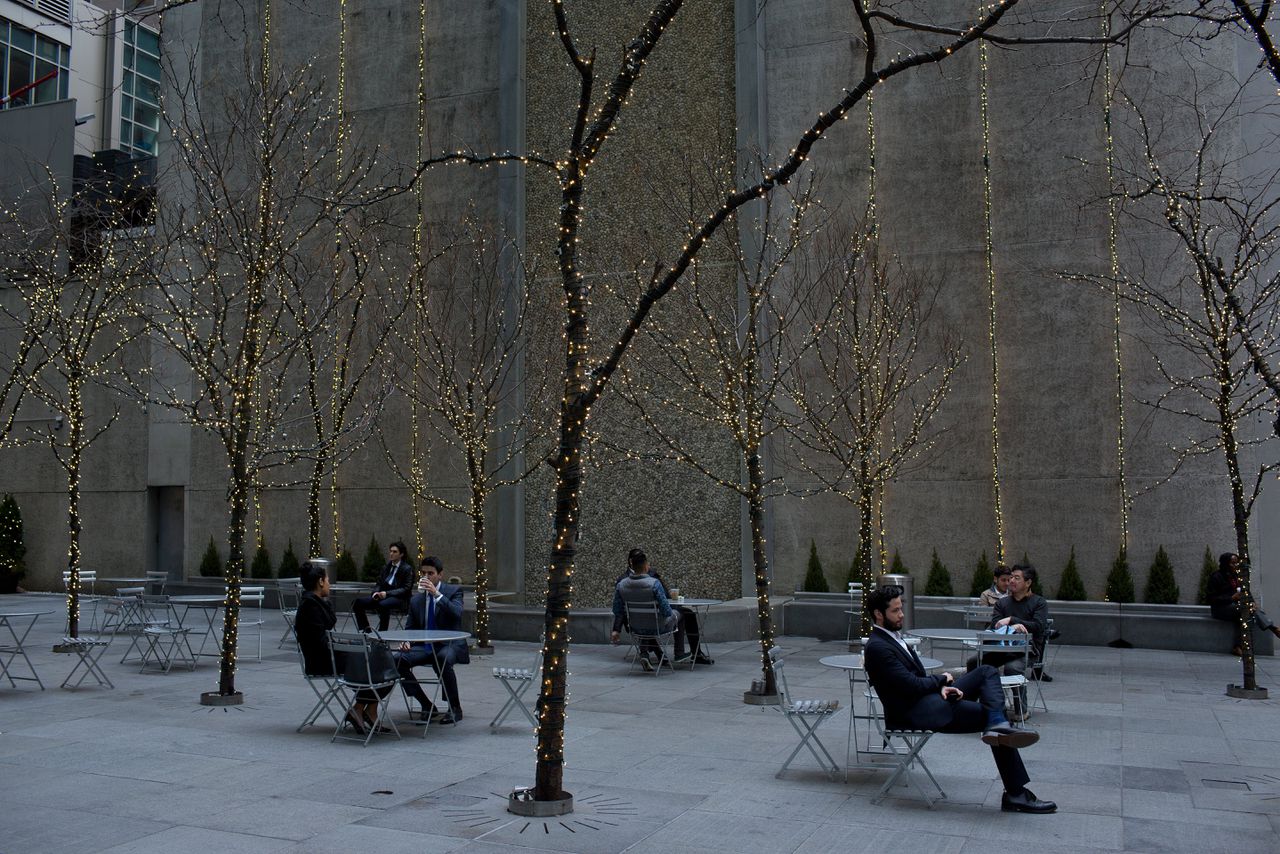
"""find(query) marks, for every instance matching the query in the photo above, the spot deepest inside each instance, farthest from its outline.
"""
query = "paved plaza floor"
(1141, 749)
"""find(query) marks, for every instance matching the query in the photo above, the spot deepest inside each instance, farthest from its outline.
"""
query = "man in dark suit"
(438, 606)
(395, 586)
(913, 699)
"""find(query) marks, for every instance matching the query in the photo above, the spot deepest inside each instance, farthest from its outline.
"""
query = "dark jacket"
(448, 616)
(315, 617)
(397, 580)
(1218, 592)
(911, 697)
(1032, 612)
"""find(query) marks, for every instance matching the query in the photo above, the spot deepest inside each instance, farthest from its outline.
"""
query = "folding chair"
(1036, 670)
(855, 609)
(165, 637)
(904, 756)
(89, 602)
(287, 598)
(90, 651)
(805, 716)
(251, 598)
(357, 675)
(120, 612)
(327, 689)
(156, 581)
(647, 628)
(144, 611)
(1008, 648)
(517, 681)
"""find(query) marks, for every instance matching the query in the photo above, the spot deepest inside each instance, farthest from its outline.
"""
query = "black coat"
(397, 580)
(448, 616)
(315, 617)
(911, 697)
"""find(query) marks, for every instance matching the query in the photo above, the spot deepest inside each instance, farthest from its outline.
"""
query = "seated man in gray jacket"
(639, 586)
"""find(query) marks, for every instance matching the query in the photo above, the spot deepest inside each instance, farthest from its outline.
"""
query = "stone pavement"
(1141, 750)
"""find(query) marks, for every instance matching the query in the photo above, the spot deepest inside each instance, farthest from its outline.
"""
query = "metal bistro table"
(975, 616)
(209, 605)
(852, 665)
(700, 607)
(958, 636)
(431, 636)
(18, 624)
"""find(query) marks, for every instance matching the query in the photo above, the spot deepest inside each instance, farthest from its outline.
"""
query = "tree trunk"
(1240, 518)
(866, 543)
(760, 562)
(313, 506)
(482, 569)
(75, 440)
(240, 486)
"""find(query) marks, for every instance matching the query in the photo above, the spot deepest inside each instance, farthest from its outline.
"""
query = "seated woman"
(314, 619)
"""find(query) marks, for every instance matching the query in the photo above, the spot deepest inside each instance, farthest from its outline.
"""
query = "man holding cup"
(436, 606)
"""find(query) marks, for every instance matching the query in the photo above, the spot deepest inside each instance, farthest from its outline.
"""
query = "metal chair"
(251, 597)
(327, 689)
(120, 612)
(903, 757)
(517, 681)
(90, 651)
(805, 716)
(288, 594)
(89, 601)
(855, 609)
(1008, 648)
(357, 675)
(647, 628)
(156, 581)
(145, 611)
(166, 638)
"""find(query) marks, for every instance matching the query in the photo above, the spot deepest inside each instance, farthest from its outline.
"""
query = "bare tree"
(466, 371)
(597, 111)
(867, 406)
(256, 185)
(1221, 288)
(75, 265)
(722, 348)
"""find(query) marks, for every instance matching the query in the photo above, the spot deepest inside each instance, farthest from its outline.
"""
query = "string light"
(1113, 255)
(988, 252)
(335, 413)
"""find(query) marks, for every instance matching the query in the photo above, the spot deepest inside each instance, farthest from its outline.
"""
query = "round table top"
(944, 634)
(198, 600)
(854, 662)
(24, 613)
(423, 635)
(142, 580)
(696, 603)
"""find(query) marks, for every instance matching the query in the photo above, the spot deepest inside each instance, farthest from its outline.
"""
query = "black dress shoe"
(1045, 677)
(1008, 735)
(446, 718)
(1026, 801)
(356, 724)
(703, 659)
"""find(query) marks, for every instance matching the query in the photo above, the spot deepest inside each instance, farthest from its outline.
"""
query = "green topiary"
(1071, 588)
(898, 567)
(211, 563)
(373, 561)
(261, 566)
(12, 545)
(344, 568)
(289, 565)
(981, 576)
(1162, 587)
(815, 580)
(1209, 568)
(939, 581)
(855, 571)
(1120, 580)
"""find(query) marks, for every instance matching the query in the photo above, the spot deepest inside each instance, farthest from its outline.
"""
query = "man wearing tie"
(437, 606)
(395, 586)
(913, 699)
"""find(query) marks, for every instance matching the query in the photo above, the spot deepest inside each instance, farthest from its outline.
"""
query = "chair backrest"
(287, 595)
(355, 649)
(87, 576)
(252, 595)
(643, 618)
(1014, 643)
(130, 592)
(157, 579)
(779, 677)
(157, 609)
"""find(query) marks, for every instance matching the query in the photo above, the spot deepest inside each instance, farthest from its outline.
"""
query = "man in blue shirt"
(437, 606)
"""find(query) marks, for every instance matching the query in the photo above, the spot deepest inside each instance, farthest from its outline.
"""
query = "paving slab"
(1141, 749)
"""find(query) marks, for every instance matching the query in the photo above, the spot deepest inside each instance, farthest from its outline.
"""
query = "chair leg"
(808, 738)
(515, 699)
(905, 758)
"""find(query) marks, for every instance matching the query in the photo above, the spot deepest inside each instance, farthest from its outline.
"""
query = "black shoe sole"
(1017, 740)
(1028, 810)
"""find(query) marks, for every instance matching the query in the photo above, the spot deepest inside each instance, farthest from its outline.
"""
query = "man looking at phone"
(913, 699)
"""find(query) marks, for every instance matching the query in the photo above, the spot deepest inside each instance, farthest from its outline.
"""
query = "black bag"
(382, 664)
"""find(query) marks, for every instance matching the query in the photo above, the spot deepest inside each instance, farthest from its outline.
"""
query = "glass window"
(146, 115)
(22, 39)
(148, 41)
(147, 90)
(26, 57)
(20, 67)
(126, 107)
(144, 139)
(46, 49)
(48, 90)
(129, 27)
(128, 82)
(148, 66)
